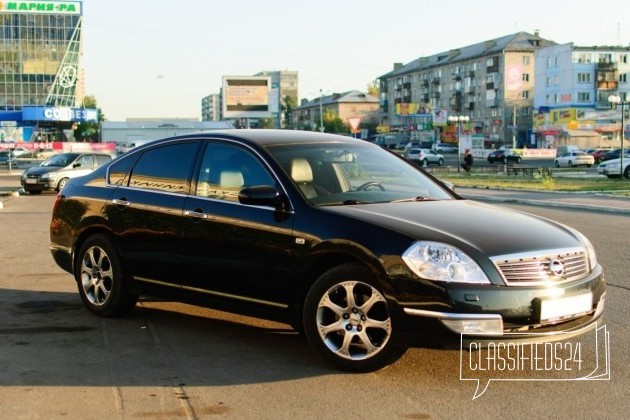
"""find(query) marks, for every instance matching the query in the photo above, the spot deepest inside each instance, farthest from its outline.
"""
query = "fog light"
(492, 326)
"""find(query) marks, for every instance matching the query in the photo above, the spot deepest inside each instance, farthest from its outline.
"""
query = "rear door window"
(165, 168)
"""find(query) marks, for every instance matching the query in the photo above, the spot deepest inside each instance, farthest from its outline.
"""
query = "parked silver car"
(424, 157)
(53, 173)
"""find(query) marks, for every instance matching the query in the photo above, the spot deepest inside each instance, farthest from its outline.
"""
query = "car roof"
(266, 137)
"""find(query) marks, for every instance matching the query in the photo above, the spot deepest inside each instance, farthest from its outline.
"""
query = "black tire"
(440, 162)
(346, 302)
(570, 164)
(35, 192)
(626, 173)
(425, 162)
(519, 160)
(62, 183)
(100, 278)
(557, 164)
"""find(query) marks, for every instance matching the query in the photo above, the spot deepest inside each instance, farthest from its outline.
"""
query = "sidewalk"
(579, 200)
(10, 185)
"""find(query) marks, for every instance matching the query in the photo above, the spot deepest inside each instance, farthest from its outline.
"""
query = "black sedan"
(504, 156)
(354, 246)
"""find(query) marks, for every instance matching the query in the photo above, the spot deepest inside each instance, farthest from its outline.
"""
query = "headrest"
(231, 179)
(301, 170)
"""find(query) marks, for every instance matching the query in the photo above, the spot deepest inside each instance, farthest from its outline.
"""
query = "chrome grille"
(547, 267)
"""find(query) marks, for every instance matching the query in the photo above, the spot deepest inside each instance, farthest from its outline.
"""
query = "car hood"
(467, 224)
(40, 170)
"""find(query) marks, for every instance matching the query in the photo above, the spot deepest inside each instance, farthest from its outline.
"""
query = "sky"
(157, 58)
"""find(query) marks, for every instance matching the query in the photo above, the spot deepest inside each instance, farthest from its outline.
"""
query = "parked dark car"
(7, 157)
(614, 154)
(357, 248)
(54, 172)
(504, 156)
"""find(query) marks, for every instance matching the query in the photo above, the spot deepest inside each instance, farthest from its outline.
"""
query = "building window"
(525, 77)
(622, 77)
(526, 60)
(584, 58)
(525, 94)
(525, 111)
(623, 58)
(548, 62)
(548, 99)
(584, 77)
(584, 97)
(556, 80)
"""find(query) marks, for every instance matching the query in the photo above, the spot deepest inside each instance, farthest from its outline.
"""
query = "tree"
(265, 123)
(333, 123)
(89, 130)
(373, 88)
(289, 102)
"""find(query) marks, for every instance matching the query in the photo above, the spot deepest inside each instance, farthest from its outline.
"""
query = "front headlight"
(592, 257)
(48, 175)
(443, 262)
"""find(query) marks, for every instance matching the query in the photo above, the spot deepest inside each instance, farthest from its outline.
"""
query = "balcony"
(470, 105)
(606, 67)
(457, 76)
(407, 85)
(490, 85)
(425, 82)
(435, 95)
(406, 99)
(424, 98)
(470, 90)
(607, 84)
(492, 103)
(492, 69)
(398, 87)
(471, 73)
(435, 80)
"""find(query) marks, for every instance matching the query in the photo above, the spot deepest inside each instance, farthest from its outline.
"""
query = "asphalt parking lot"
(170, 360)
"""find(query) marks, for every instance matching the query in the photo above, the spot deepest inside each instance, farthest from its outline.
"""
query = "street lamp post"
(321, 112)
(459, 120)
(615, 101)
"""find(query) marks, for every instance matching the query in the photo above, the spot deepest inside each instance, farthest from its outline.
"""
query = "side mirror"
(76, 165)
(262, 195)
(449, 185)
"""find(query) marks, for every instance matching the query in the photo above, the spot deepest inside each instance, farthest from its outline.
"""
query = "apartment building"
(491, 82)
(211, 107)
(571, 94)
(346, 105)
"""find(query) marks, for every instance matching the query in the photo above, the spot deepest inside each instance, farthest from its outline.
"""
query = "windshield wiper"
(411, 199)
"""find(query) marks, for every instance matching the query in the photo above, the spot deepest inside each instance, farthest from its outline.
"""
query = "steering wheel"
(371, 184)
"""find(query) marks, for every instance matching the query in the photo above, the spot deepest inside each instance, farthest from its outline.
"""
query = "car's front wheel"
(346, 320)
(557, 164)
(100, 278)
(62, 183)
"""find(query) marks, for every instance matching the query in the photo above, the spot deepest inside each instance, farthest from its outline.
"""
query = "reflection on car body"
(348, 242)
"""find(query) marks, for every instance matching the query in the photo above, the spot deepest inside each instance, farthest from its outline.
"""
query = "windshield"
(354, 173)
(61, 160)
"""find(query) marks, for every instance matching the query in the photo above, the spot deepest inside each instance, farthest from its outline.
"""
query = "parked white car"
(574, 158)
(424, 156)
(612, 168)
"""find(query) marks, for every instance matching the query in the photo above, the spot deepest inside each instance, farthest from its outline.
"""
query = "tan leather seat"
(302, 174)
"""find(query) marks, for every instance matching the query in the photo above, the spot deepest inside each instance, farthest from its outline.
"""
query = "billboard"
(246, 97)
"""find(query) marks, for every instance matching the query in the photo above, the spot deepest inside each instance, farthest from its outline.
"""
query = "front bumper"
(38, 184)
(500, 312)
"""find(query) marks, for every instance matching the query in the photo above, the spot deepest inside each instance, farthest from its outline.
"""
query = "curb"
(540, 203)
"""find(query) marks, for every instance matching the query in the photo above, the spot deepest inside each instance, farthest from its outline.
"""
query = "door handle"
(121, 202)
(197, 214)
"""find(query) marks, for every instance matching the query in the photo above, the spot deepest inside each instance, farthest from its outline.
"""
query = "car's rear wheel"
(425, 162)
(519, 160)
(100, 278)
(347, 322)
(440, 162)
